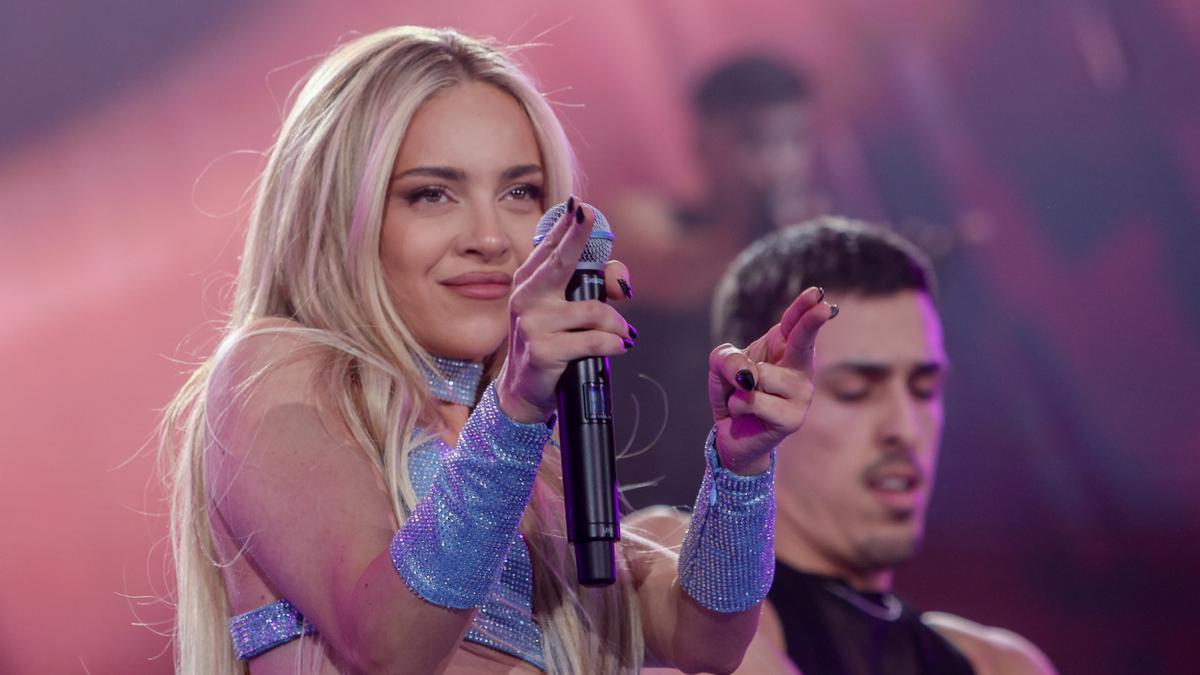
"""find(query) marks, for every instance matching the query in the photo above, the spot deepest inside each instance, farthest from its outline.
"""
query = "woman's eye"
(427, 195)
(525, 192)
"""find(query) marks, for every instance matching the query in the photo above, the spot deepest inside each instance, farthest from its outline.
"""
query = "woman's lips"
(480, 285)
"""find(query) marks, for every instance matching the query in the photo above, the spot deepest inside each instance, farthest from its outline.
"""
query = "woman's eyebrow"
(520, 171)
(451, 174)
(443, 172)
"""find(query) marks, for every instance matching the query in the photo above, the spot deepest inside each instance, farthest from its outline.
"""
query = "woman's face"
(465, 197)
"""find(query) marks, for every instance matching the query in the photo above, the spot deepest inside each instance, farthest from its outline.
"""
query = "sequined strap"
(727, 560)
(451, 548)
(267, 627)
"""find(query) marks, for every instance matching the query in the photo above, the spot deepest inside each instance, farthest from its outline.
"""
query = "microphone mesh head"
(599, 245)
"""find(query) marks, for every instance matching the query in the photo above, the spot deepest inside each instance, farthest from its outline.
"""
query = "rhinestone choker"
(454, 380)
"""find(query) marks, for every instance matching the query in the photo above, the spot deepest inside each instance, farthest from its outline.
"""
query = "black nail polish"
(745, 379)
(833, 311)
(571, 204)
(579, 213)
(628, 343)
(633, 332)
(625, 289)
(819, 288)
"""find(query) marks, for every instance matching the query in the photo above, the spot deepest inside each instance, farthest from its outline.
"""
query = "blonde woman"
(363, 474)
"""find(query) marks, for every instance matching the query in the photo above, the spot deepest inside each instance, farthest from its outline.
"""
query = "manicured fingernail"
(819, 288)
(745, 379)
(625, 289)
(571, 204)
(579, 213)
(633, 332)
(628, 343)
(833, 311)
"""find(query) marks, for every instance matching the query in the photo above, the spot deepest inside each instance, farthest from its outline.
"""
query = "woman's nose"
(485, 236)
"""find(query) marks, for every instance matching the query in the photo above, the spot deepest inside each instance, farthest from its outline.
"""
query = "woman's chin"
(467, 350)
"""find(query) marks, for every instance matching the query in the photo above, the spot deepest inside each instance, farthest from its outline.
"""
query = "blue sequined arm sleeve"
(451, 549)
(727, 560)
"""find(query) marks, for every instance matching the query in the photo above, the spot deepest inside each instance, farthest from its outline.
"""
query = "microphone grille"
(599, 245)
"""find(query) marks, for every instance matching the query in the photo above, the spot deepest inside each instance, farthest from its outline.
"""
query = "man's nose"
(899, 424)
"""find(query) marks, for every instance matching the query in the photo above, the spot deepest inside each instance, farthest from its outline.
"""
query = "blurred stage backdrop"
(1052, 148)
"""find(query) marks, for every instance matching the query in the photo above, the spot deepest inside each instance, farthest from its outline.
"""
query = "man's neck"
(798, 555)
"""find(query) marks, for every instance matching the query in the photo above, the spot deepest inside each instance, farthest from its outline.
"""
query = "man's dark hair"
(747, 82)
(837, 254)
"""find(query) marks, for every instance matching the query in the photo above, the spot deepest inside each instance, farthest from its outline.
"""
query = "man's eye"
(850, 394)
(927, 388)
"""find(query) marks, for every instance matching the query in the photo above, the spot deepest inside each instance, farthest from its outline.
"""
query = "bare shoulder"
(267, 412)
(990, 650)
(270, 362)
(665, 525)
(271, 343)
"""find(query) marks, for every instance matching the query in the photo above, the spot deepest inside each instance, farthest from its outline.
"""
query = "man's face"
(761, 152)
(853, 484)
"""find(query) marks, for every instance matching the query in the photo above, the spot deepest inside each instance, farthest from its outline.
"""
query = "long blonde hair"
(312, 256)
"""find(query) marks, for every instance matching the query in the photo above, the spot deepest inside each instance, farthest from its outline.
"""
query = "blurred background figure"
(753, 157)
(1047, 155)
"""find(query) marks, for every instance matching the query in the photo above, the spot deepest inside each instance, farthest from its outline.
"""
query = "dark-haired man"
(854, 483)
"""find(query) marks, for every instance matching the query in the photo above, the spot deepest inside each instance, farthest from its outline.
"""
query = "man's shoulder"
(990, 650)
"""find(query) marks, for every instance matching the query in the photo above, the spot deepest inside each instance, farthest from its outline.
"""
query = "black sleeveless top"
(832, 629)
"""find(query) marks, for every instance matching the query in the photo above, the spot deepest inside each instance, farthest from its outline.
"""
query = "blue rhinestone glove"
(728, 557)
(451, 550)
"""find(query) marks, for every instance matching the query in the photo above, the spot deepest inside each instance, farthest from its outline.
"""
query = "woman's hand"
(546, 331)
(761, 395)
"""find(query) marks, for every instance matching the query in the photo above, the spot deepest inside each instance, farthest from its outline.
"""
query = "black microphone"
(585, 424)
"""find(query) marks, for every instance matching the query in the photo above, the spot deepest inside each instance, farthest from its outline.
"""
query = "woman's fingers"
(768, 348)
(729, 371)
(553, 351)
(801, 343)
(567, 316)
(616, 281)
(781, 399)
(570, 346)
(799, 326)
(554, 267)
(542, 250)
(808, 298)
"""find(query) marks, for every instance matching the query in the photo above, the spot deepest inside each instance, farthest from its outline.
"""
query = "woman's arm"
(312, 512)
(666, 526)
(701, 610)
